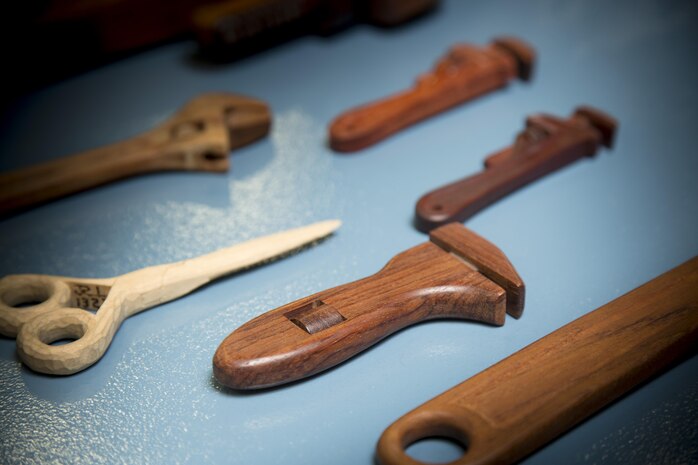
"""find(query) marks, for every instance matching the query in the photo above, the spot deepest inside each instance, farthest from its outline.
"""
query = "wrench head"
(203, 132)
(246, 119)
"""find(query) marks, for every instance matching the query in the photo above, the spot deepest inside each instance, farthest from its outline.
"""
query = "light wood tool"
(458, 274)
(197, 138)
(464, 73)
(514, 407)
(546, 144)
(62, 308)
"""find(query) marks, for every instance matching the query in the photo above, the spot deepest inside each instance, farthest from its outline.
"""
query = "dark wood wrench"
(457, 274)
(548, 143)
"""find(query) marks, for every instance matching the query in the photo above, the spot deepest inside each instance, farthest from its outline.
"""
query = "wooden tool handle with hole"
(457, 274)
(547, 144)
(198, 137)
(465, 73)
(514, 407)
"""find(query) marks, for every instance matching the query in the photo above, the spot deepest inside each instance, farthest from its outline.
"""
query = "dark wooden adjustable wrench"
(464, 73)
(197, 138)
(548, 143)
(514, 407)
(231, 29)
(457, 274)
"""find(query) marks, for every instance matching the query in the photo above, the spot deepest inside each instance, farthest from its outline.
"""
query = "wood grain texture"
(230, 29)
(464, 73)
(486, 258)
(197, 138)
(59, 305)
(394, 12)
(547, 144)
(322, 330)
(509, 410)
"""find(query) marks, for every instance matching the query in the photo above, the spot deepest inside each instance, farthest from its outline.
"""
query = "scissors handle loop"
(74, 325)
(26, 296)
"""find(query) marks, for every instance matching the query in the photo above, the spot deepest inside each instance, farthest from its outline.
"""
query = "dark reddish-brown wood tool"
(546, 144)
(231, 29)
(464, 73)
(458, 274)
(509, 410)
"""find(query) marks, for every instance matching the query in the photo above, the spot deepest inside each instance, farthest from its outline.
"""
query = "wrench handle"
(514, 407)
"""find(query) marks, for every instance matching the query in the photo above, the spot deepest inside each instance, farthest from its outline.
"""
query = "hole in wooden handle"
(435, 427)
(25, 297)
(422, 425)
(28, 294)
(67, 330)
(187, 129)
(315, 317)
(40, 342)
(436, 449)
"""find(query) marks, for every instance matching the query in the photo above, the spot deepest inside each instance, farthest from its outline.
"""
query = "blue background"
(579, 237)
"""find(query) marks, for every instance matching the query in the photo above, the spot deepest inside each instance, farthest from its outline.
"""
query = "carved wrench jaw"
(521, 52)
(213, 124)
(247, 122)
(602, 122)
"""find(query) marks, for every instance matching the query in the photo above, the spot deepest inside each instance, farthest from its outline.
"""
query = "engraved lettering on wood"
(88, 296)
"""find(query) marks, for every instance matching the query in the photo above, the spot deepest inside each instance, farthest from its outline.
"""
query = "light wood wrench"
(197, 138)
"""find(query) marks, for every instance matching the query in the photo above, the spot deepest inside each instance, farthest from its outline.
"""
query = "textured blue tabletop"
(579, 237)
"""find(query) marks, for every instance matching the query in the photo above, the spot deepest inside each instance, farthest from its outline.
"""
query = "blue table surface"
(579, 237)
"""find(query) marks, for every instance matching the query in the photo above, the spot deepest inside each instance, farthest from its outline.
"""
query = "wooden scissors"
(90, 311)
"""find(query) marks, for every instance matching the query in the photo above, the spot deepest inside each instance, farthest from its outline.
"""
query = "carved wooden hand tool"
(64, 302)
(197, 138)
(546, 144)
(464, 73)
(231, 29)
(509, 410)
(457, 274)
